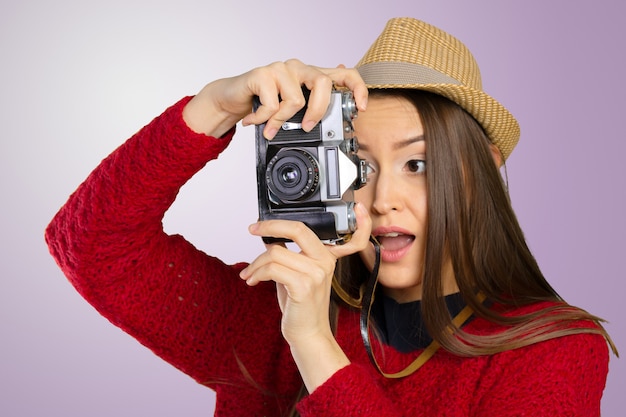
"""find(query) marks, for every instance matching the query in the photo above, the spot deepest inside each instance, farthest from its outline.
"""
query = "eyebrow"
(400, 144)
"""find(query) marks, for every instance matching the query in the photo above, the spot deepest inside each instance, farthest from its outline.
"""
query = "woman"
(442, 311)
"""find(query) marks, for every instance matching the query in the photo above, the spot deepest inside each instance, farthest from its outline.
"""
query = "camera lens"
(292, 174)
(289, 175)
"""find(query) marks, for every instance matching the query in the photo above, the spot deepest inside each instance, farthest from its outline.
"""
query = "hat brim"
(498, 123)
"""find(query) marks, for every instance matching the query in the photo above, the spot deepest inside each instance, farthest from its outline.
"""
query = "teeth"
(392, 234)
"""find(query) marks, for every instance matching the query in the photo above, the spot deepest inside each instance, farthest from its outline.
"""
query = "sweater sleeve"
(187, 307)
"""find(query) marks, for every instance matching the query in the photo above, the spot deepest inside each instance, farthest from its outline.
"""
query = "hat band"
(401, 73)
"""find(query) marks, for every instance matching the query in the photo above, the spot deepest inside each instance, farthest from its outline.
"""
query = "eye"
(416, 166)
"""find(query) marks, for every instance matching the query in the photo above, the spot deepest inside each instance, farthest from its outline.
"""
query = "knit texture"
(193, 311)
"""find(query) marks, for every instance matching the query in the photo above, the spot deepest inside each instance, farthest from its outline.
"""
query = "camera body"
(310, 176)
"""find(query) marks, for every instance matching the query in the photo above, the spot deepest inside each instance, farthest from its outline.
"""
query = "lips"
(395, 242)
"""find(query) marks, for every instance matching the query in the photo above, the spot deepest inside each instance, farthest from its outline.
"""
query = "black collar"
(401, 326)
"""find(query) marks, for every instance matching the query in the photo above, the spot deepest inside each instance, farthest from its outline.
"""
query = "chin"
(411, 287)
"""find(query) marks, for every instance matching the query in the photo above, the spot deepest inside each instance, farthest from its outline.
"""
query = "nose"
(387, 194)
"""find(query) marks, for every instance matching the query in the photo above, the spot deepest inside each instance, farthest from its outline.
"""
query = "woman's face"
(390, 136)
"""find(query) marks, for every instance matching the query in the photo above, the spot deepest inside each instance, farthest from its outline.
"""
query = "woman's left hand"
(303, 281)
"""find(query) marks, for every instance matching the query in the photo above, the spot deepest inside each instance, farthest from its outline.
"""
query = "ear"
(497, 155)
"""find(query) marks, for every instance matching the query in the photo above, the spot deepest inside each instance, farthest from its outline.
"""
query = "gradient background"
(77, 78)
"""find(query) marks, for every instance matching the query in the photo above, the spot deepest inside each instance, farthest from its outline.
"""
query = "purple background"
(78, 78)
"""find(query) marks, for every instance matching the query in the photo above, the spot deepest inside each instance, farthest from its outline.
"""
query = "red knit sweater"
(194, 311)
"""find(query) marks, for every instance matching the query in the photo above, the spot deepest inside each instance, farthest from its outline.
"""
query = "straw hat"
(415, 55)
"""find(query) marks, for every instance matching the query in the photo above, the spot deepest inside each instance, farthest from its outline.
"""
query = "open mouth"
(394, 241)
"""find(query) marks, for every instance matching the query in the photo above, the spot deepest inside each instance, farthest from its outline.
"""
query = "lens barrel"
(292, 174)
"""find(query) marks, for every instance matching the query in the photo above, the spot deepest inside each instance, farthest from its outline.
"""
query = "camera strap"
(366, 302)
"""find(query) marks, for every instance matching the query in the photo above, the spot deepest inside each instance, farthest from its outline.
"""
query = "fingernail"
(270, 133)
(253, 227)
(308, 125)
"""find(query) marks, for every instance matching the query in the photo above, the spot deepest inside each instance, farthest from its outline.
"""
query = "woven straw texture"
(412, 54)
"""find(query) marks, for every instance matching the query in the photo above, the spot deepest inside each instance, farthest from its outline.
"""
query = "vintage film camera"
(310, 177)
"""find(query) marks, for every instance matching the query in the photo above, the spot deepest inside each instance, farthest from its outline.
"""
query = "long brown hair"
(471, 224)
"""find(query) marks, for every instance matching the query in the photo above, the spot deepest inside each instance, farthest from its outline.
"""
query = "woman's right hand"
(224, 102)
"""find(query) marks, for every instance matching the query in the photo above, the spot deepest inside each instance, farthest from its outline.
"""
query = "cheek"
(417, 203)
(364, 196)
(419, 206)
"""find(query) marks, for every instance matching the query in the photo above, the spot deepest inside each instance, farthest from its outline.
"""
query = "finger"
(360, 238)
(285, 79)
(261, 261)
(276, 253)
(289, 78)
(280, 95)
(270, 272)
(285, 267)
(291, 101)
(321, 87)
(308, 242)
(350, 79)
(268, 105)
